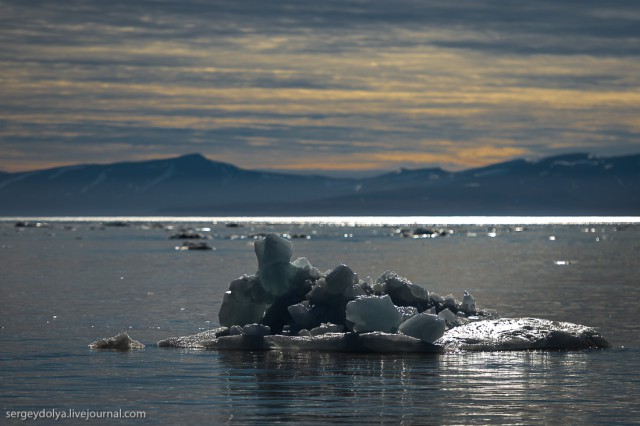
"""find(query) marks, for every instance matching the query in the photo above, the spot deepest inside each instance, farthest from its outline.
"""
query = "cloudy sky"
(317, 85)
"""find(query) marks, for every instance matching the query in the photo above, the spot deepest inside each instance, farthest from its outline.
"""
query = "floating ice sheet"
(292, 306)
(504, 334)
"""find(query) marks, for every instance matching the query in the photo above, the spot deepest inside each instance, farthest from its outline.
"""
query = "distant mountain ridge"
(572, 184)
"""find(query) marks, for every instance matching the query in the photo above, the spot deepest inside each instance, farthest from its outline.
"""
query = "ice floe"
(121, 342)
(292, 306)
(521, 334)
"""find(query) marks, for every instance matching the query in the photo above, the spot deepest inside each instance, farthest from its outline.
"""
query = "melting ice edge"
(291, 306)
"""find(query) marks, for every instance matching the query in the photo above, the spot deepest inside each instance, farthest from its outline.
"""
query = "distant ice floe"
(191, 245)
(293, 306)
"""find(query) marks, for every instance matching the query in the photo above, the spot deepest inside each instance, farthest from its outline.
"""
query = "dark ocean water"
(69, 283)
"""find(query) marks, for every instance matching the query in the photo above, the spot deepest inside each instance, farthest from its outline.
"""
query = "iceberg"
(292, 306)
(294, 297)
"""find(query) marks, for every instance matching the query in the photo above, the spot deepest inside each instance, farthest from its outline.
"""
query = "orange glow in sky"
(362, 85)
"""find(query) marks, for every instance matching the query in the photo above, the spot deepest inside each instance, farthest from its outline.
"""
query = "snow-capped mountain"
(575, 184)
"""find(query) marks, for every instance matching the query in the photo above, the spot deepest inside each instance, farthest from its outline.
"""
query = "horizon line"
(350, 220)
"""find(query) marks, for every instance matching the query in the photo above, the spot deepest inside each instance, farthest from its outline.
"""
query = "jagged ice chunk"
(426, 327)
(373, 313)
(244, 303)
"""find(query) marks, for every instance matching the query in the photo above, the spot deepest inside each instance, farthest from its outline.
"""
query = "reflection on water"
(310, 388)
(511, 387)
(281, 385)
(516, 387)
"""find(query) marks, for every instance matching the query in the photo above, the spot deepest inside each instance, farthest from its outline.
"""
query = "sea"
(66, 282)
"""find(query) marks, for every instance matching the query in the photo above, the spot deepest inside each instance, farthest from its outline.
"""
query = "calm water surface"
(70, 283)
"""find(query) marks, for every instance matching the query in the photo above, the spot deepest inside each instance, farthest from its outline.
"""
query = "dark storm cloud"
(390, 79)
(517, 27)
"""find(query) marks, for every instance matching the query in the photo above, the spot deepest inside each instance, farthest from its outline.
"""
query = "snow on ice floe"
(521, 334)
(292, 306)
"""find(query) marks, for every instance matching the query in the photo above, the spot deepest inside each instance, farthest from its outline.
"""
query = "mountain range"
(573, 184)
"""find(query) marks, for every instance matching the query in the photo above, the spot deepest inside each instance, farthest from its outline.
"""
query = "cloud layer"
(317, 85)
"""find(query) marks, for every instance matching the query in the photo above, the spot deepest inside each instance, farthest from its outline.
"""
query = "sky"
(304, 86)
